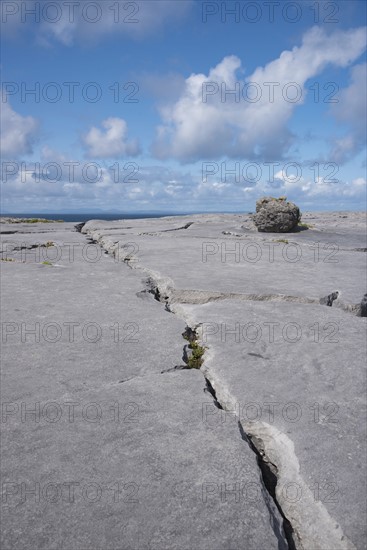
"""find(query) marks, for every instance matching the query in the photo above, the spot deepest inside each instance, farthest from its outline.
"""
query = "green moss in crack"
(196, 358)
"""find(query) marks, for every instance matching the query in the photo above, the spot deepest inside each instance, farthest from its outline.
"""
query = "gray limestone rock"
(104, 443)
(289, 368)
(93, 325)
(294, 375)
(363, 308)
(276, 215)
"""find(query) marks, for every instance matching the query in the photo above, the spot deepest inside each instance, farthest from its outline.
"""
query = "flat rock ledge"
(110, 439)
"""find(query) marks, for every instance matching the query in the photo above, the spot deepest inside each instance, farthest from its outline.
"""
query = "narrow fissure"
(328, 300)
(270, 480)
(209, 389)
(154, 233)
(203, 297)
(268, 473)
(153, 289)
(268, 470)
(363, 307)
(79, 227)
(283, 532)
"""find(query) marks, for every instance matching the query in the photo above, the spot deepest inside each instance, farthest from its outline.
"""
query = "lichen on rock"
(276, 215)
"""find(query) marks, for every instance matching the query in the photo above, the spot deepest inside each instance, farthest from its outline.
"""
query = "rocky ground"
(111, 441)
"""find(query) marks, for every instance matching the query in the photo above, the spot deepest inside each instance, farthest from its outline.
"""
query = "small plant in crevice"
(194, 359)
(47, 263)
(281, 241)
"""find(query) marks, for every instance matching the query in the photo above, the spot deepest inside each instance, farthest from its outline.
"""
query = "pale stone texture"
(99, 448)
(276, 215)
(220, 270)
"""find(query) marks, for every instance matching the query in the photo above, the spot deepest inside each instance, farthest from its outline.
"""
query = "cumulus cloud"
(72, 185)
(111, 142)
(17, 132)
(313, 192)
(343, 189)
(302, 188)
(207, 122)
(351, 111)
(69, 184)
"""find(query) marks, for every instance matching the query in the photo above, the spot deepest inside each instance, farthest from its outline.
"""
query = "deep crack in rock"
(153, 288)
(209, 389)
(269, 476)
(79, 226)
(328, 300)
(176, 368)
(363, 307)
(284, 532)
(155, 233)
(158, 286)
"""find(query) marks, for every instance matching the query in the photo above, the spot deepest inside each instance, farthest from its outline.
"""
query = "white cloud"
(322, 188)
(351, 111)
(17, 132)
(246, 125)
(112, 142)
(165, 188)
(69, 185)
(303, 187)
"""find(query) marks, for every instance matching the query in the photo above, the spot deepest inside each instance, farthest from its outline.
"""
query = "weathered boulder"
(276, 215)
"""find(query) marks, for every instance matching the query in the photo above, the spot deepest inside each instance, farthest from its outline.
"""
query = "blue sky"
(133, 109)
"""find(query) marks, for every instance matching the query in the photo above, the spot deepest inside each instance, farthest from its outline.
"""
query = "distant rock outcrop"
(276, 215)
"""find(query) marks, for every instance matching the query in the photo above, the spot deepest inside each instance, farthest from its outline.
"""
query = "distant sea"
(85, 216)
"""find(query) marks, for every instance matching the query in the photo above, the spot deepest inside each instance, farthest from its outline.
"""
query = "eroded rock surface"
(99, 449)
(276, 215)
(270, 455)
